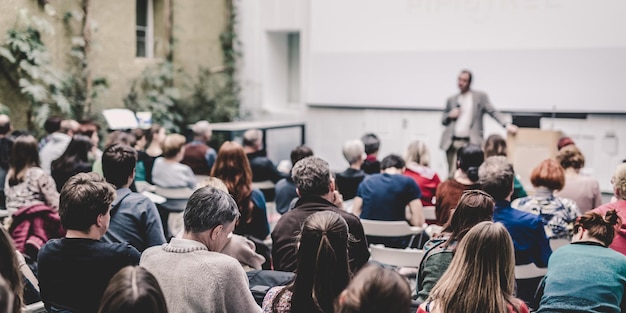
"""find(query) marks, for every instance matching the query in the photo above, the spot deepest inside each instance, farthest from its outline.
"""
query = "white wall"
(264, 96)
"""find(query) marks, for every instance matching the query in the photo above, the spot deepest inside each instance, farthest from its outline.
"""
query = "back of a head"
(300, 153)
(24, 154)
(371, 142)
(469, 158)
(152, 132)
(83, 197)
(201, 129)
(392, 161)
(52, 124)
(69, 126)
(495, 145)
(549, 174)
(311, 176)
(353, 151)
(619, 181)
(375, 289)
(10, 272)
(252, 138)
(598, 226)
(496, 177)
(5, 124)
(118, 163)
(570, 156)
(474, 206)
(417, 152)
(172, 145)
(323, 270)
(207, 208)
(78, 148)
(133, 289)
(233, 168)
(477, 279)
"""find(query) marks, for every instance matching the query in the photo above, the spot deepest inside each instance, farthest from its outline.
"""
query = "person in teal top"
(586, 276)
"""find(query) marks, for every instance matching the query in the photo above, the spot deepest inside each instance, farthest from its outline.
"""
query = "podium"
(528, 148)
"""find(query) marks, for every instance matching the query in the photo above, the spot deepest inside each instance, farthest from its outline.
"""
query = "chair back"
(397, 257)
(389, 228)
(528, 271)
(429, 213)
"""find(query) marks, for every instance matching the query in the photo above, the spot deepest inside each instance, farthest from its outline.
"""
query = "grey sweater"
(194, 279)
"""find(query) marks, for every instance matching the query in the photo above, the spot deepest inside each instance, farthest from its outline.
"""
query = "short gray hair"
(353, 151)
(252, 137)
(496, 177)
(312, 176)
(207, 208)
(200, 128)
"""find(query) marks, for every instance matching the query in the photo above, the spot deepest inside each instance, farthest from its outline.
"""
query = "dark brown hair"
(495, 145)
(82, 199)
(474, 206)
(549, 174)
(24, 155)
(133, 289)
(598, 226)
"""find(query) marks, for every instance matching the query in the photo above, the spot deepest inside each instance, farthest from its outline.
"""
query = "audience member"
(6, 144)
(385, 196)
(475, 206)
(116, 136)
(74, 271)
(167, 171)
(478, 280)
(371, 165)
(322, 268)
(27, 184)
(193, 275)
(74, 160)
(349, 180)
(58, 143)
(238, 247)
(154, 140)
(233, 169)
(375, 289)
(262, 168)
(619, 189)
(133, 289)
(531, 244)
(465, 177)
(51, 126)
(585, 276)
(583, 189)
(496, 145)
(10, 271)
(317, 193)
(558, 214)
(417, 160)
(90, 128)
(198, 155)
(142, 156)
(134, 218)
(285, 188)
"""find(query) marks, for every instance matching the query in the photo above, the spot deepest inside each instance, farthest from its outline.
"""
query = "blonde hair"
(417, 152)
(213, 182)
(619, 180)
(481, 277)
(570, 156)
(172, 145)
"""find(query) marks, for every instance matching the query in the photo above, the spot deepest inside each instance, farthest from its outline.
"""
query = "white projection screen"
(528, 55)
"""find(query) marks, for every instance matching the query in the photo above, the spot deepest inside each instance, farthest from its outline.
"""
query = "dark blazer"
(482, 106)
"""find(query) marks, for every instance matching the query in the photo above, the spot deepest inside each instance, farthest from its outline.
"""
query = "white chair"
(528, 271)
(429, 213)
(37, 307)
(391, 229)
(397, 257)
(557, 243)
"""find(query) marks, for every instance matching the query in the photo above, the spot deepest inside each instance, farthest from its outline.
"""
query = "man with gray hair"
(262, 168)
(349, 180)
(193, 274)
(316, 190)
(198, 155)
(526, 229)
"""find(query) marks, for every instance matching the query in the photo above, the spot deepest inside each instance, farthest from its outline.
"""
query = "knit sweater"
(584, 277)
(194, 279)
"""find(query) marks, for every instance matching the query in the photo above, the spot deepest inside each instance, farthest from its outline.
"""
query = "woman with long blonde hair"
(481, 277)
(233, 168)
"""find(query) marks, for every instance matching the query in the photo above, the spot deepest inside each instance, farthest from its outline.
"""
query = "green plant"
(26, 64)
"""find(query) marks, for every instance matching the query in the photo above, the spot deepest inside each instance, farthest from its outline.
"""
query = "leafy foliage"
(26, 64)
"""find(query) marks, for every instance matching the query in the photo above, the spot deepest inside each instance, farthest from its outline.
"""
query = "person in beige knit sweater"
(193, 274)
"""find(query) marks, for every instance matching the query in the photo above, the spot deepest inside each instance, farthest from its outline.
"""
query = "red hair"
(548, 174)
(233, 168)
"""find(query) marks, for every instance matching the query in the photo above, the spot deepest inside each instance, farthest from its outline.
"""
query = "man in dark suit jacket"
(463, 118)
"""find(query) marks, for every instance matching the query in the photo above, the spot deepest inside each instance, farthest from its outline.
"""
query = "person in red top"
(619, 188)
(478, 280)
(417, 160)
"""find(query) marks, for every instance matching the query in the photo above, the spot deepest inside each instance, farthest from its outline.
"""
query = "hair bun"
(472, 173)
(611, 217)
